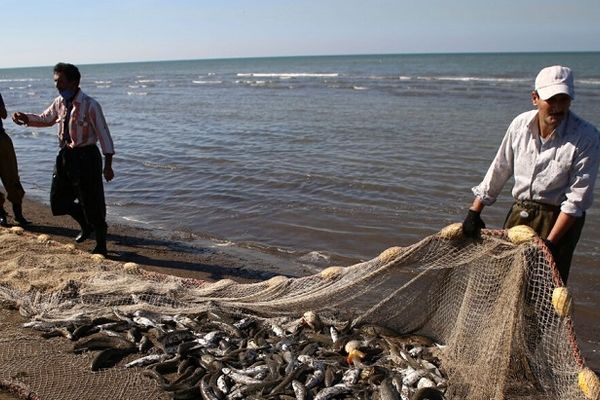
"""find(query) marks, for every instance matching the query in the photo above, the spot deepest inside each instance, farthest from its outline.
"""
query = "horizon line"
(315, 55)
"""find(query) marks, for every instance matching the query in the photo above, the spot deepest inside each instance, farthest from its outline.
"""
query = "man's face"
(62, 83)
(554, 110)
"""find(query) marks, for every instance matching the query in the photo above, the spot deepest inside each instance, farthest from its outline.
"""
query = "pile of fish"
(219, 356)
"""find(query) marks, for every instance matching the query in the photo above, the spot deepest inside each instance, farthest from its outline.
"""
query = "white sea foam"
(207, 82)
(287, 75)
(472, 79)
(148, 80)
(360, 87)
(588, 81)
(315, 258)
(137, 93)
(132, 219)
(102, 82)
(20, 80)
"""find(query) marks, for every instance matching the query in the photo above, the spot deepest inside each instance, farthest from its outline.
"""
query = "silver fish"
(299, 390)
(146, 360)
(329, 392)
(239, 378)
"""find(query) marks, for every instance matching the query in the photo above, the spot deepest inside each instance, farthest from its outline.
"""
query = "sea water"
(342, 155)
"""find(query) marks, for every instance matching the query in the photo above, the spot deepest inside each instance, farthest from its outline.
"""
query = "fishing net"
(496, 306)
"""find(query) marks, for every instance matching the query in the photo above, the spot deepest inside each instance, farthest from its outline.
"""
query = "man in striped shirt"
(77, 188)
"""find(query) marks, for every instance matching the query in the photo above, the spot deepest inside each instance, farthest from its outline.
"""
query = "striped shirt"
(560, 171)
(86, 123)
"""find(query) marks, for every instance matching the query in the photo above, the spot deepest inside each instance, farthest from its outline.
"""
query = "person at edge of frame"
(77, 188)
(9, 174)
(553, 155)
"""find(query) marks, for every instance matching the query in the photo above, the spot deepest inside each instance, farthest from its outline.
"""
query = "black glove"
(473, 224)
(552, 247)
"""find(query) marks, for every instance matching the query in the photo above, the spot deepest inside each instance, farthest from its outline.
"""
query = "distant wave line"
(472, 78)
(287, 75)
(207, 82)
(20, 80)
(588, 81)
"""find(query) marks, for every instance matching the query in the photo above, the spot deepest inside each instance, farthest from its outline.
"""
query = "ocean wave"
(102, 82)
(148, 80)
(137, 93)
(160, 166)
(588, 81)
(360, 88)
(20, 80)
(472, 79)
(288, 75)
(207, 82)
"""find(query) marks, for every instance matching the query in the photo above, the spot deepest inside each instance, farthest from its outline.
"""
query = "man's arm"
(477, 205)
(562, 225)
(108, 171)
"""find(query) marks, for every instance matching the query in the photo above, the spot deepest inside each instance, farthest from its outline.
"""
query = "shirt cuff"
(571, 209)
(485, 199)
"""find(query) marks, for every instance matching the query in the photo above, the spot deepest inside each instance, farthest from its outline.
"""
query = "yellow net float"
(43, 238)
(521, 234)
(276, 280)
(70, 247)
(17, 230)
(332, 273)
(562, 301)
(389, 254)
(453, 231)
(589, 383)
(131, 267)
(98, 257)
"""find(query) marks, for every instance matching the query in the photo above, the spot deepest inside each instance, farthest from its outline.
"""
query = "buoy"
(389, 254)
(521, 234)
(589, 383)
(561, 300)
(453, 231)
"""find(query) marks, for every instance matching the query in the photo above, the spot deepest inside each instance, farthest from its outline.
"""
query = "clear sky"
(44, 32)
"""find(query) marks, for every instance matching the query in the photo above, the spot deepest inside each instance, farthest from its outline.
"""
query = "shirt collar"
(560, 130)
(76, 99)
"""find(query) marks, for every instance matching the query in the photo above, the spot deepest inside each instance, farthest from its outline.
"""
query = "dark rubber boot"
(18, 213)
(3, 221)
(86, 229)
(100, 241)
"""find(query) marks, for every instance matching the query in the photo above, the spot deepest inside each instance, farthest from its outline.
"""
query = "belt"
(80, 148)
(536, 205)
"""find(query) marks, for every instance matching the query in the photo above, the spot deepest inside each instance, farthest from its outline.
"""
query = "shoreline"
(173, 253)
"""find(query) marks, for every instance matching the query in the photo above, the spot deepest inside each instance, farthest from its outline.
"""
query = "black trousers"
(77, 185)
(9, 171)
(541, 218)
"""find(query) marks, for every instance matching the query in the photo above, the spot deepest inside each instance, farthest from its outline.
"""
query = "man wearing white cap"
(553, 155)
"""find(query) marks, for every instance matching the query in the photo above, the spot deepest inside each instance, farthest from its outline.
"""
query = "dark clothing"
(1, 106)
(541, 218)
(78, 176)
(9, 171)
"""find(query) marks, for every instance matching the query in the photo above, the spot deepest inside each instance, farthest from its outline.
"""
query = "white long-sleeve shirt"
(86, 123)
(561, 172)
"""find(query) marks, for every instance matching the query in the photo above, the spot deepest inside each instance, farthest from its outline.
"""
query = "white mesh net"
(496, 306)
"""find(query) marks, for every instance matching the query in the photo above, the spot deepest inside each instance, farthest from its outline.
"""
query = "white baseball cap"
(554, 80)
